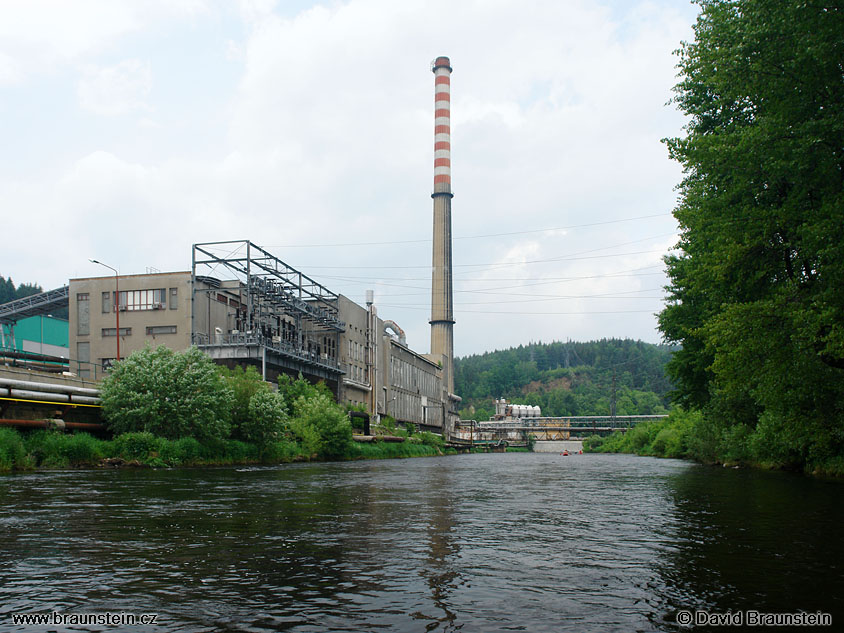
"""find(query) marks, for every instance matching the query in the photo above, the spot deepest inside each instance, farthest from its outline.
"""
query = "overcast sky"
(130, 130)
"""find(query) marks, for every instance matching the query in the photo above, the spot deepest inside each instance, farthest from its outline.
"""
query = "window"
(153, 330)
(174, 298)
(124, 331)
(154, 299)
(107, 303)
(107, 363)
(83, 314)
(83, 351)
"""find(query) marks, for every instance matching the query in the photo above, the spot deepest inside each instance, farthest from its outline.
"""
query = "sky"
(130, 131)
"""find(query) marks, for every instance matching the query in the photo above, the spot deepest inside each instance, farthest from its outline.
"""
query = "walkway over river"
(490, 542)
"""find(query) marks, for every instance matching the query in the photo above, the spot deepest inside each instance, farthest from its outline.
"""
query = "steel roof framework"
(268, 279)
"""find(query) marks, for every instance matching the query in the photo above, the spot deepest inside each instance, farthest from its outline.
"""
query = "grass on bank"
(54, 449)
(690, 435)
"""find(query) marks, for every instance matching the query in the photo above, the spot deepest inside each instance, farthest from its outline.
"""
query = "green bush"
(245, 384)
(185, 450)
(329, 422)
(171, 394)
(431, 439)
(12, 450)
(294, 390)
(593, 444)
(137, 446)
(267, 418)
(80, 448)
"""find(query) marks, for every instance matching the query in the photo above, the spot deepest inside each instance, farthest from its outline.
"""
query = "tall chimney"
(442, 313)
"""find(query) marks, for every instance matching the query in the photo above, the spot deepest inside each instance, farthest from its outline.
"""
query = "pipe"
(84, 399)
(47, 424)
(48, 397)
(392, 325)
(50, 387)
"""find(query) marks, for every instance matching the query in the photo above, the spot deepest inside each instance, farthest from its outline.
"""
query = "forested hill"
(567, 378)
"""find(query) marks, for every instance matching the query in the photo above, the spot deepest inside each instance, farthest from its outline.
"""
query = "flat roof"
(175, 272)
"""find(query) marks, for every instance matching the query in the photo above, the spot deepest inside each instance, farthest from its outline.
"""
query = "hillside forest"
(567, 379)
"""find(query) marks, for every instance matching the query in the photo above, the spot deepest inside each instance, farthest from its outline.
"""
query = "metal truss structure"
(33, 305)
(286, 319)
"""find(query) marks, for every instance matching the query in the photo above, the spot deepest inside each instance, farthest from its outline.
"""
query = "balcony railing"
(272, 345)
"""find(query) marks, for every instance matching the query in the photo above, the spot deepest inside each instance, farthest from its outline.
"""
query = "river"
(498, 542)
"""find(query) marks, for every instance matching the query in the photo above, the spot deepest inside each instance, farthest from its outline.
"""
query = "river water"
(512, 542)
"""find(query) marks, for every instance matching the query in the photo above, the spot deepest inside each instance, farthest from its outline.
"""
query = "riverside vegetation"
(169, 408)
(755, 297)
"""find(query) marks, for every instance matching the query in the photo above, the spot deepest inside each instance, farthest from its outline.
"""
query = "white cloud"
(42, 34)
(117, 89)
(558, 108)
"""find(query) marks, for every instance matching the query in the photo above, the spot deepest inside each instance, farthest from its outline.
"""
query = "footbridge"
(521, 432)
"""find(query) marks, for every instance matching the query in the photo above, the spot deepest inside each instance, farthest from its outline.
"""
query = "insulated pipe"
(48, 387)
(40, 395)
(48, 424)
(395, 328)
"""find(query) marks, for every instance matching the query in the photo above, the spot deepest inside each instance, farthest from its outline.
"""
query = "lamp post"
(116, 303)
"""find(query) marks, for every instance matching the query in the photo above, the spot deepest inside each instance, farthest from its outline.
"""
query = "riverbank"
(49, 450)
(689, 435)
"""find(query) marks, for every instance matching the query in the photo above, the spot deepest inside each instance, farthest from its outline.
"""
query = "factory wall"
(154, 308)
(38, 335)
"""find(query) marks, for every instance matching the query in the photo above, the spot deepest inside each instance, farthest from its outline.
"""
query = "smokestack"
(442, 313)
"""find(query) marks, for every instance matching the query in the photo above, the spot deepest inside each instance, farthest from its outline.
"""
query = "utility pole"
(116, 303)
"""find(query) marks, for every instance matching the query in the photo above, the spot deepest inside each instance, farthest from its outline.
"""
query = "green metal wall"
(46, 329)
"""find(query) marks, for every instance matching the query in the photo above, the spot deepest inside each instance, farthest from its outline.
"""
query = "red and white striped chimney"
(442, 312)
(441, 67)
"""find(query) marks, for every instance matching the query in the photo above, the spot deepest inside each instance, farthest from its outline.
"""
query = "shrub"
(185, 450)
(12, 450)
(593, 443)
(245, 384)
(139, 446)
(292, 390)
(431, 439)
(267, 418)
(329, 421)
(80, 448)
(171, 394)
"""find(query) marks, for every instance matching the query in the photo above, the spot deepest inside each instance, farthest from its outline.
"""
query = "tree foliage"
(267, 419)
(757, 287)
(170, 394)
(567, 378)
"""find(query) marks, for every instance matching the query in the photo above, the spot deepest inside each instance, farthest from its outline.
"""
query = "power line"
(472, 237)
(531, 312)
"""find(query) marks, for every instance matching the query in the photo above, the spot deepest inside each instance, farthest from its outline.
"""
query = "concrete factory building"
(243, 306)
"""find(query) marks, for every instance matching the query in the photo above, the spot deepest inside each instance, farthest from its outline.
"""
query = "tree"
(245, 384)
(756, 294)
(170, 394)
(267, 418)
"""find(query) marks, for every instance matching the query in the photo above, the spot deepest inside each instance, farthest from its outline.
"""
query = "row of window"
(411, 377)
(132, 300)
(358, 374)
(127, 300)
(152, 330)
(357, 351)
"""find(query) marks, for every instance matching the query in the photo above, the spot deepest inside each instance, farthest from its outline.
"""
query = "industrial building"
(40, 334)
(242, 305)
